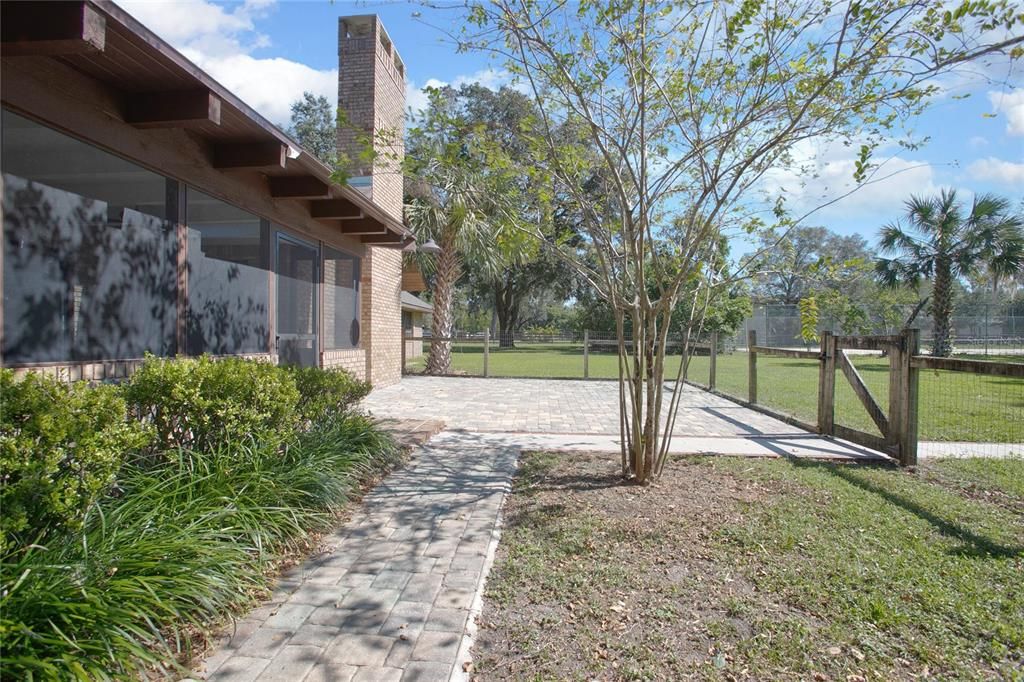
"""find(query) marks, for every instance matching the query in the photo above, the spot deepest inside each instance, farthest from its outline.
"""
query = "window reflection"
(341, 299)
(228, 285)
(89, 256)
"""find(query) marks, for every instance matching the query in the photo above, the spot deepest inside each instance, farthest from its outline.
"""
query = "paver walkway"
(391, 600)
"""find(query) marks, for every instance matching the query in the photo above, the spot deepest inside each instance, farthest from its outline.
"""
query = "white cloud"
(823, 172)
(491, 78)
(1011, 105)
(977, 142)
(997, 170)
(181, 22)
(221, 42)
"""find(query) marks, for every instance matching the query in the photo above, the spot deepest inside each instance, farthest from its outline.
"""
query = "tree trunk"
(942, 308)
(507, 307)
(440, 359)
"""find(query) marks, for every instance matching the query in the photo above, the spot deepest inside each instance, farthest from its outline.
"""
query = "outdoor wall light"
(429, 246)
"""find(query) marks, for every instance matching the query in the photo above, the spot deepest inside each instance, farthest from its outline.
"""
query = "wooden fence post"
(908, 414)
(894, 438)
(487, 352)
(714, 359)
(586, 353)
(827, 385)
(752, 367)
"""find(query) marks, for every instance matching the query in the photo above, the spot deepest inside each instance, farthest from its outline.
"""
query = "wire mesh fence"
(984, 329)
(590, 355)
(967, 414)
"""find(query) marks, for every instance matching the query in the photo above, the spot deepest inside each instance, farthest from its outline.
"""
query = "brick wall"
(352, 360)
(371, 95)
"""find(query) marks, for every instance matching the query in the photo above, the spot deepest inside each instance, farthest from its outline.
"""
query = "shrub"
(323, 393)
(186, 543)
(199, 403)
(61, 447)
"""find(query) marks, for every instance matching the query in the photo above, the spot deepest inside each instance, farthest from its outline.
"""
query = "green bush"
(199, 403)
(61, 447)
(323, 393)
(185, 544)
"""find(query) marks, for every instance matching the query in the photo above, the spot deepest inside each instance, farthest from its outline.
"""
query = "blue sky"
(270, 51)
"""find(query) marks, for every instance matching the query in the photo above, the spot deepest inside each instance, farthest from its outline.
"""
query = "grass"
(186, 543)
(759, 569)
(954, 406)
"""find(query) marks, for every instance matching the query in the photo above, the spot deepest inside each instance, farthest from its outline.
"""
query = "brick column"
(371, 99)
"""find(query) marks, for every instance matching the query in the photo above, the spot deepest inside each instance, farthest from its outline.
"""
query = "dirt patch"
(599, 580)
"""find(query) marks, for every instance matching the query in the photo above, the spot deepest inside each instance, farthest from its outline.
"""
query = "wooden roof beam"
(362, 226)
(250, 155)
(298, 187)
(173, 109)
(388, 239)
(50, 29)
(334, 208)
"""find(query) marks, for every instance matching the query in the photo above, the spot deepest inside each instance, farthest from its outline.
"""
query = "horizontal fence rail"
(988, 367)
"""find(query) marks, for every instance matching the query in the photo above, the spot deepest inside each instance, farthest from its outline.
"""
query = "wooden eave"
(156, 86)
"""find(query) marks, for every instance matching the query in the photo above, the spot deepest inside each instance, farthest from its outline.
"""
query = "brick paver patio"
(392, 597)
(555, 406)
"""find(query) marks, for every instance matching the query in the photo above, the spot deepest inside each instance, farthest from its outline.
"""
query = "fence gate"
(898, 425)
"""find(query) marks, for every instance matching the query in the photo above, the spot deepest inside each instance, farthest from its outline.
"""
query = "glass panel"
(296, 302)
(89, 260)
(228, 279)
(341, 299)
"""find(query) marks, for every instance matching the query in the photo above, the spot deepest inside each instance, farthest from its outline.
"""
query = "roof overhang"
(159, 88)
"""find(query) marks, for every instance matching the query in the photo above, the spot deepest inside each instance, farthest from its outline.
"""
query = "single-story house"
(147, 209)
(416, 314)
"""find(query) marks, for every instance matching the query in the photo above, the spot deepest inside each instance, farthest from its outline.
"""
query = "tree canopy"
(314, 125)
(941, 240)
(682, 108)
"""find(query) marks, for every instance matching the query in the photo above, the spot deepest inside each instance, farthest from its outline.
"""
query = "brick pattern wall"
(352, 360)
(383, 296)
(371, 94)
(110, 370)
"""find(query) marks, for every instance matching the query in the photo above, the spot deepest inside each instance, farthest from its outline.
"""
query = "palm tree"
(457, 212)
(940, 242)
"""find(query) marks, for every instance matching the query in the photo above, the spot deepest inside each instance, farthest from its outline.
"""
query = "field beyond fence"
(954, 407)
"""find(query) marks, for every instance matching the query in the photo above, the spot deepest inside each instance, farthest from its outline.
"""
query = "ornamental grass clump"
(182, 541)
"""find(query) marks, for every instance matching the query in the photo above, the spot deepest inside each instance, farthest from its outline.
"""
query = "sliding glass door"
(297, 324)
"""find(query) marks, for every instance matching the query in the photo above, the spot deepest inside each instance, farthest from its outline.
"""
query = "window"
(341, 300)
(90, 252)
(228, 279)
(406, 320)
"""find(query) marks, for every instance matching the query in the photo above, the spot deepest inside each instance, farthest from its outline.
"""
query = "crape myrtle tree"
(684, 106)
(942, 240)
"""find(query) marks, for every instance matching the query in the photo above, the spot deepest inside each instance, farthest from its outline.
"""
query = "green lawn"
(954, 406)
(740, 569)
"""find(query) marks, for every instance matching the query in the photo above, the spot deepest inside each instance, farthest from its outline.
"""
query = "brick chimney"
(371, 96)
